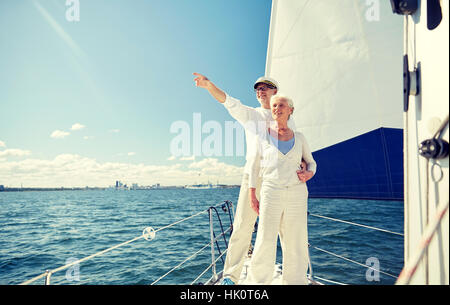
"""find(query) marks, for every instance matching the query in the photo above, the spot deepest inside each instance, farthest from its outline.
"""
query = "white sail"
(340, 61)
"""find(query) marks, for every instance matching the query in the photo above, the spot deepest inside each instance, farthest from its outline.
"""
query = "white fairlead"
(149, 233)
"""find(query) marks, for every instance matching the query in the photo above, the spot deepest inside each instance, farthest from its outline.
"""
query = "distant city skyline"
(91, 90)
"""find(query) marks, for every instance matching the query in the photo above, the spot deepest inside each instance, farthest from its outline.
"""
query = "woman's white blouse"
(276, 168)
(254, 121)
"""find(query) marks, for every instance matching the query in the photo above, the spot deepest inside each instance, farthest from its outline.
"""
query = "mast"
(426, 77)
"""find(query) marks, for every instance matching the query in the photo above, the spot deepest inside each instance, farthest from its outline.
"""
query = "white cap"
(266, 80)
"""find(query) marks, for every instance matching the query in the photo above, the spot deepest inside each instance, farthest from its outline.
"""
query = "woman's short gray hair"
(282, 97)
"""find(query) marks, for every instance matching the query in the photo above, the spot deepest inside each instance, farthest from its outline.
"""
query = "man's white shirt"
(254, 121)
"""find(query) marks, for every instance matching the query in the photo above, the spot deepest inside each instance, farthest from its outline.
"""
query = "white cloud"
(212, 167)
(88, 137)
(171, 158)
(131, 153)
(114, 130)
(70, 170)
(2, 144)
(191, 158)
(14, 152)
(59, 134)
(77, 126)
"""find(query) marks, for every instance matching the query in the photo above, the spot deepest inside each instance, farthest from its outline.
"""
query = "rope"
(180, 264)
(223, 233)
(356, 224)
(228, 203)
(81, 260)
(411, 266)
(189, 217)
(439, 131)
(191, 257)
(48, 273)
(215, 240)
(180, 221)
(330, 281)
(210, 265)
(352, 261)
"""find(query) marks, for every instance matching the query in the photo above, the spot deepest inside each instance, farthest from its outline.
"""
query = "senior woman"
(283, 198)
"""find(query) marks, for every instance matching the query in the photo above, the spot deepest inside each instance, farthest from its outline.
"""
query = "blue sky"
(123, 73)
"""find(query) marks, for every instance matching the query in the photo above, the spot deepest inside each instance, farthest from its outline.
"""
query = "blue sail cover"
(369, 166)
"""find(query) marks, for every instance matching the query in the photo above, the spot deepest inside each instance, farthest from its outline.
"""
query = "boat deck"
(276, 280)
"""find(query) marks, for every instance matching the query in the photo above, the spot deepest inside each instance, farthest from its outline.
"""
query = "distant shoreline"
(31, 189)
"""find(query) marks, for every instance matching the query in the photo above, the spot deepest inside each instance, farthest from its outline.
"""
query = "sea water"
(43, 230)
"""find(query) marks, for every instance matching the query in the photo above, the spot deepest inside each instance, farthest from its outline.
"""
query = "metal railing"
(149, 234)
(348, 259)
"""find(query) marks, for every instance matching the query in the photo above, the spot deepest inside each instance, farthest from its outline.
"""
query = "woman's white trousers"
(283, 210)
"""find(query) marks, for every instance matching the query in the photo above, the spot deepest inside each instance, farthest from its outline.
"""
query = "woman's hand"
(304, 175)
(254, 203)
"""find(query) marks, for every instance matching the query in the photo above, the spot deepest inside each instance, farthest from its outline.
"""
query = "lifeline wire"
(48, 273)
(352, 261)
(357, 224)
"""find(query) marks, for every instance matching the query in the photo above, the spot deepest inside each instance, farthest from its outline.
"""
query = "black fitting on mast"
(411, 81)
(404, 7)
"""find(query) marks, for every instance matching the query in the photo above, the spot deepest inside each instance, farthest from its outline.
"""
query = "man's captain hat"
(268, 81)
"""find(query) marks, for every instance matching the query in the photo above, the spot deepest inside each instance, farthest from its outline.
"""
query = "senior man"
(251, 119)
